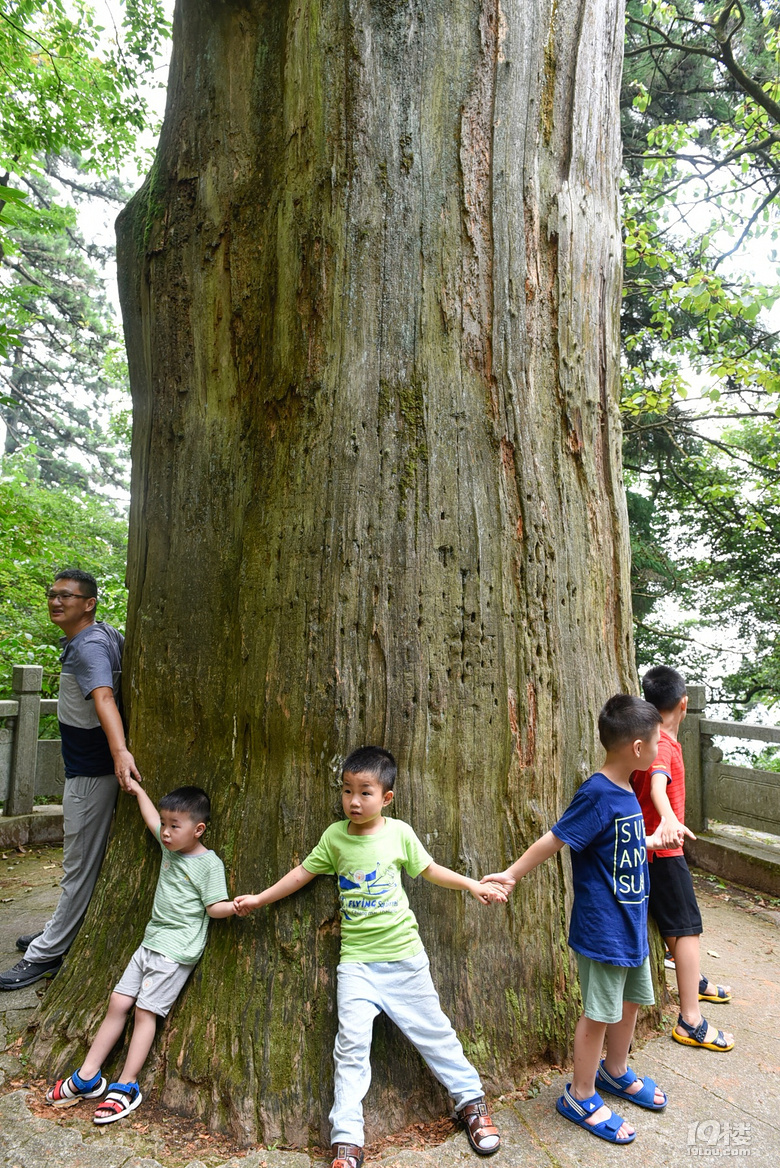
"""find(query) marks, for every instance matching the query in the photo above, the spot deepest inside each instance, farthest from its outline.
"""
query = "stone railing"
(737, 796)
(28, 766)
(734, 796)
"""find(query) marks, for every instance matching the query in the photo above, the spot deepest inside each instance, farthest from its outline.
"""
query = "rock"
(29, 1142)
(269, 1158)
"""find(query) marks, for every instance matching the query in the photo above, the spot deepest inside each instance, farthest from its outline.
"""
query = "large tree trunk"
(371, 294)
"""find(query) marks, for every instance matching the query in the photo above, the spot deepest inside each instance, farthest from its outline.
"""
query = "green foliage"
(41, 530)
(767, 759)
(701, 127)
(73, 101)
(69, 84)
(701, 159)
(67, 370)
(712, 528)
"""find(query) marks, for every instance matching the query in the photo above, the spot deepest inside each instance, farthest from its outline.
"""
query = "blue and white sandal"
(619, 1084)
(122, 1098)
(578, 1110)
(66, 1092)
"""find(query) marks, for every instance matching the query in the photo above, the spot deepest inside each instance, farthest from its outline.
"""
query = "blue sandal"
(66, 1092)
(619, 1084)
(122, 1098)
(578, 1110)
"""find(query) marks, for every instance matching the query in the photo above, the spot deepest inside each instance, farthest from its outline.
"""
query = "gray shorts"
(153, 980)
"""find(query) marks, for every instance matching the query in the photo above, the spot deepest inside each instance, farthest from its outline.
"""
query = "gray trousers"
(87, 808)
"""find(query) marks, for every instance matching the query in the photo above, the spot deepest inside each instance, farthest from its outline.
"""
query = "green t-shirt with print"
(377, 923)
(186, 886)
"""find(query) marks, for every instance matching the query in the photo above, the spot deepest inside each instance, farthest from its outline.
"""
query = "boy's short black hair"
(663, 687)
(85, 579)
(372, 760)
(190, 801)
(625, 718)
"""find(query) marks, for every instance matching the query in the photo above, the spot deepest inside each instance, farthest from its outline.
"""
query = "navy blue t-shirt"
(90, 659)
(605, 830)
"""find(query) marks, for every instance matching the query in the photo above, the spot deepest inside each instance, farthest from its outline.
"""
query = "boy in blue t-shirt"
(604, 829)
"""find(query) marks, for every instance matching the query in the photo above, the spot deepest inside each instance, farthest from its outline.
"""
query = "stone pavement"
(720, 1105)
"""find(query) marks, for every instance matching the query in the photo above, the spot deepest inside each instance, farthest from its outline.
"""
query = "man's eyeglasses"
(52, 595)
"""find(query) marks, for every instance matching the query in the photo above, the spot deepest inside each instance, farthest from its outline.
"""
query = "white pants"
(405, 992)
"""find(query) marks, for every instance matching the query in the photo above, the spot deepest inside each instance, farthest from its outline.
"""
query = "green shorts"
(606, 987)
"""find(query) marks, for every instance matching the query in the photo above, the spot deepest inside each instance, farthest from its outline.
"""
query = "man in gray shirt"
(96, 760)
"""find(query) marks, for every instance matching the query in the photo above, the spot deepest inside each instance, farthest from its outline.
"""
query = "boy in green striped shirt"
(191, 888)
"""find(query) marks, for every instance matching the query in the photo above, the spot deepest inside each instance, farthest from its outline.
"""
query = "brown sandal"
(346, 1156)
(480, 1128)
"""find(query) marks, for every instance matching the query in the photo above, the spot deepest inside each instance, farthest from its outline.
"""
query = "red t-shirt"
(669, 759)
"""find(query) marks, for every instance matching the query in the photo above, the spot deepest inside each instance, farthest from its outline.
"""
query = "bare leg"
(144, 1029)
(588, 1044)
(112, 1026)
(687, 968)
(619, 1035)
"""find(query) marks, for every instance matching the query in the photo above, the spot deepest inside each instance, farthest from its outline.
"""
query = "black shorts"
(672, 902)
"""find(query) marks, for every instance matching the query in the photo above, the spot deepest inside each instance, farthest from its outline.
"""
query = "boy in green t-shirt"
(383, 964)
(191, 888)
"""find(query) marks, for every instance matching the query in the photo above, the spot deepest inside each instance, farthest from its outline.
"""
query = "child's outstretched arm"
(538, 852)
(221, 908)
(149, 812)
(674, 831)
(446, 878)
(296, 878)
(661, 836)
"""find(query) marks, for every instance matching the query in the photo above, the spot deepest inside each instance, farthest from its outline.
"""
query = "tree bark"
(371, 292)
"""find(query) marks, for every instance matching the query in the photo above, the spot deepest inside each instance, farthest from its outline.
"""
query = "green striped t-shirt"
(186, 886)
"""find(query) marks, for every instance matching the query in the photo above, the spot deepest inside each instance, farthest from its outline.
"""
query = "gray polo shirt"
(90, 659)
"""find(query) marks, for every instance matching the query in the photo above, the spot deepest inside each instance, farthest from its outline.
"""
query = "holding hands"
(668, 835)
(247, 903)
(489, 891)
(501, 880)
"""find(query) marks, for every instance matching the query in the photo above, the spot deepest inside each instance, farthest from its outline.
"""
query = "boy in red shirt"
(661, 794)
